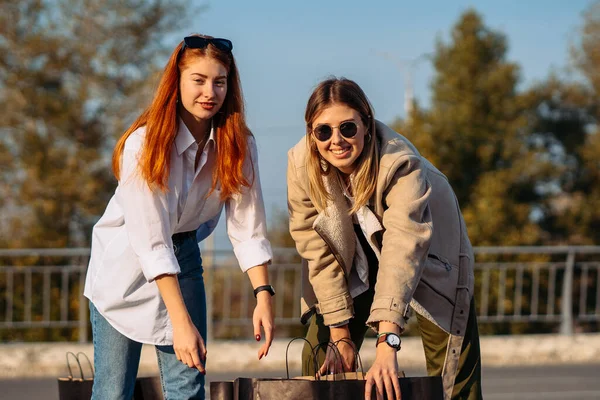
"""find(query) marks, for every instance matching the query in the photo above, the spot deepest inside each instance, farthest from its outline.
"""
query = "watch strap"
(267, 288)
(382, 338)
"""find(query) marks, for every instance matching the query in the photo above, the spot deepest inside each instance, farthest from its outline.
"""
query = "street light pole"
(406, 66)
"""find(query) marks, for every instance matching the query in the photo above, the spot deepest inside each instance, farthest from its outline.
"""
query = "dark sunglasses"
(323, 132)
(197, 42)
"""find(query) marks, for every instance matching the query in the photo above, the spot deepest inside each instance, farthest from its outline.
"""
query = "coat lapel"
(372, 226)
(334, 225)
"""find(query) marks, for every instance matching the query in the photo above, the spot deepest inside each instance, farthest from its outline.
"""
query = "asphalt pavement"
(565, 382)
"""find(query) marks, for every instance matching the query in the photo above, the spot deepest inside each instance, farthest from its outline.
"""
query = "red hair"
(162, 124)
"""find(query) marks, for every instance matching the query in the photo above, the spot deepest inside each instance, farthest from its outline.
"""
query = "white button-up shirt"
(132, 245)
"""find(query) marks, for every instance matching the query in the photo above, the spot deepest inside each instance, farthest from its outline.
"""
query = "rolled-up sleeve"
(246, 219)
(146, 216)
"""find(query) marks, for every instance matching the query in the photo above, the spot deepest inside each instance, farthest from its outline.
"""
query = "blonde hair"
(364, 178)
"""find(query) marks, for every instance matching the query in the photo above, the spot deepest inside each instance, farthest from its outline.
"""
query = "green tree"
(473, 133)
(73, 73)
(580, 138)
(524, 164)
(562, 128)
(480, 132)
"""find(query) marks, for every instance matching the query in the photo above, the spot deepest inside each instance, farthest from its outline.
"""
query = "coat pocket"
(441, 277)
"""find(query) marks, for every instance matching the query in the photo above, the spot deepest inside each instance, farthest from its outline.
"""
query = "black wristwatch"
(391, 339)
(268, 288)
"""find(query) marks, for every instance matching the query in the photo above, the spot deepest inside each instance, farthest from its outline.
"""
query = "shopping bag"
(76, 387)
(148, 388)
(80, 388)
(411, 388)
(338, 385)
(222, 390)
(279, 389)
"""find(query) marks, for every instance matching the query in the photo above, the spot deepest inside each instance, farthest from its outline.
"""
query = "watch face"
(393, 340)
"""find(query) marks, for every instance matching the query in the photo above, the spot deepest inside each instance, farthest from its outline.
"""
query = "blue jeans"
(116, 357)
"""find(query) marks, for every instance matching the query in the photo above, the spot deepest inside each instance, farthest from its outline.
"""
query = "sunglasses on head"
(198, 42)
(323, 132)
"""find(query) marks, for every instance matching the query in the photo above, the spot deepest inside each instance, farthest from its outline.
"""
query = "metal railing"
(557, 305)
(42, 288)
(58, 301)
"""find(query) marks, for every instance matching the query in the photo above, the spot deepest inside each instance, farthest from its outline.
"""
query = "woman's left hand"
(384, 374)
(263, 316)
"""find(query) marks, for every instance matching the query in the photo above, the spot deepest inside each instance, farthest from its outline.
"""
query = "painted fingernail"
(258, 338)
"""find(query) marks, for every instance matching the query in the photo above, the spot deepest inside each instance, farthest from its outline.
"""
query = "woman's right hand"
(189, 346)
(333, 364)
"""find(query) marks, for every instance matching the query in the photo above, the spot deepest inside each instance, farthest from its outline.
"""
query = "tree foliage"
(476, 133)
(524, 163)
(73, 73)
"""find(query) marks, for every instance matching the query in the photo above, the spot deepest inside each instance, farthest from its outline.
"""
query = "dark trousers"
(467, 385)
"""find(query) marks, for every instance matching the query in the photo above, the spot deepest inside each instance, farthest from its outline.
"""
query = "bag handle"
(69, 365)
(336, 354)
(88, 361)
(357, 360)
(313, 351)
(287, 365)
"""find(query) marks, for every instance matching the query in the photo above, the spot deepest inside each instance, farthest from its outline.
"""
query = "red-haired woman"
(185, 157)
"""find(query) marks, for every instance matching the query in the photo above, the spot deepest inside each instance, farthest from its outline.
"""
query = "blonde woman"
(381, 233)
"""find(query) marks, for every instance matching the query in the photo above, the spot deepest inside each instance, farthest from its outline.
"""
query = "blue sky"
(285, 48)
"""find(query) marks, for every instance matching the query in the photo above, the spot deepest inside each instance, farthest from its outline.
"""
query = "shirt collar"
(185, 139)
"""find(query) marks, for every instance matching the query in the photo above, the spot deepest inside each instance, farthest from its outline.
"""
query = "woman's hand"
(189, 345)
(263, 312)
(340, 337)
(263, 316)
(333, 363)
(384, 374)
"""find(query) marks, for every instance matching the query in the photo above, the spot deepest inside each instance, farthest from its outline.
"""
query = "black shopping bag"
(277, 389)
(347, 386)
(76, 388)
(412, 388)
(221, 390)
(148, 388)
(73, 388)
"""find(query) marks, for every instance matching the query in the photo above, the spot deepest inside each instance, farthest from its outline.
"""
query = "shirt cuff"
(339, 324)
(159, 262)
(253, 252)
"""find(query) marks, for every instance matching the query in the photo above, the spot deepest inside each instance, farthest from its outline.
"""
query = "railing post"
(83, 316)
(566, 313)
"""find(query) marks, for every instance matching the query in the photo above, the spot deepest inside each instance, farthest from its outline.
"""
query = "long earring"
(323, 165)
(313, 145)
